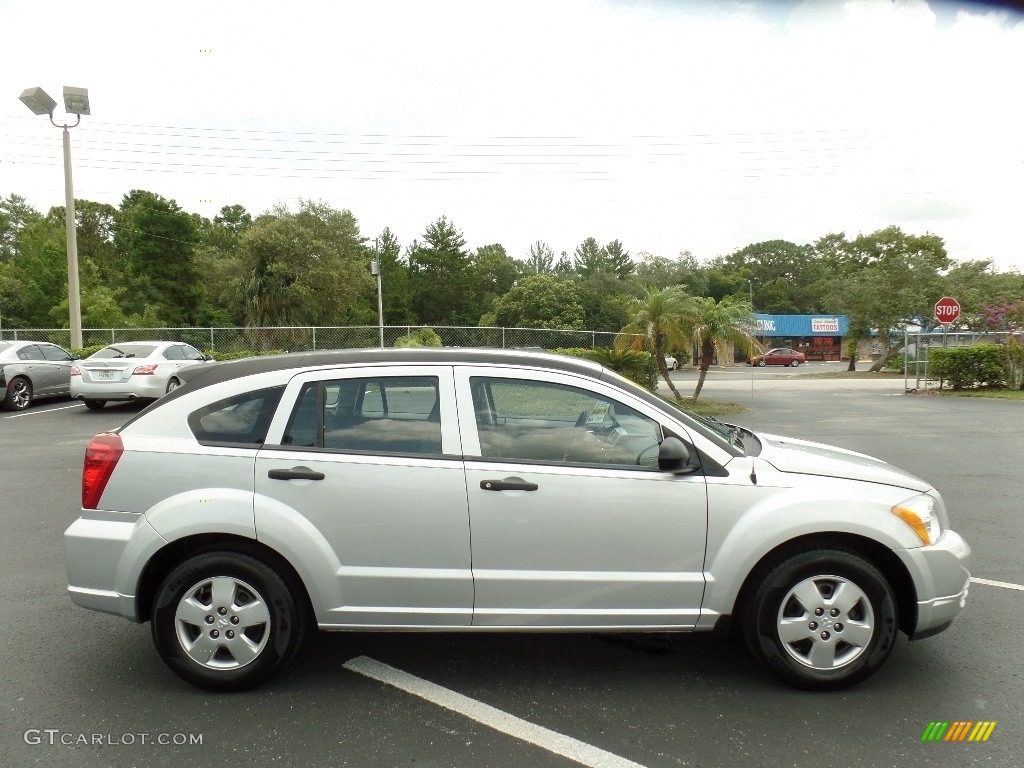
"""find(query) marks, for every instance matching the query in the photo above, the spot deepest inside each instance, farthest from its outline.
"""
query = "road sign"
(947, 309)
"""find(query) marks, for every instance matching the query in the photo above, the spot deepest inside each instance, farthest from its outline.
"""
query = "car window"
(238, 419)
(399, 415)
(125, 349)
(191, 353)
(51, 352)
(173, 352)
(522, 420)
(30, 352)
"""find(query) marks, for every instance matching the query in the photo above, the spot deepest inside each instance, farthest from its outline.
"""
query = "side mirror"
(208, 358)
(673, 456)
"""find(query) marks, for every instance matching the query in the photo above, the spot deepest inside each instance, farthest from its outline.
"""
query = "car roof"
(203, 375)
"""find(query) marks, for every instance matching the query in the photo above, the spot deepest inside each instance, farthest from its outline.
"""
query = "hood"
(788, 454)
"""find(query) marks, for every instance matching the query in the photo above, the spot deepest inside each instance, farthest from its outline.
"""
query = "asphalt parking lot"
(83, 689)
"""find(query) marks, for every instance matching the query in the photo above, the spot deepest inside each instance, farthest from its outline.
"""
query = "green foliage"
(422, 337)
(896, 363)
(658, 322)
(965, 367)
(155, 241)
(240, 354)
(439, 275)
(635, 365)
(712, 324)
(306, 268)
(540, 301)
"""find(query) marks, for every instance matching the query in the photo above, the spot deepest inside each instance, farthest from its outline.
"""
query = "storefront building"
(820, 337)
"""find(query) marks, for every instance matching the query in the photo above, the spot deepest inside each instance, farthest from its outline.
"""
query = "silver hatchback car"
(482, 490)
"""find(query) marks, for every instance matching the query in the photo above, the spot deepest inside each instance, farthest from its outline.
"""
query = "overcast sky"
(670, 125)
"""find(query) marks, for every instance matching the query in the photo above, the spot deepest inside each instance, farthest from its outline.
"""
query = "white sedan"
(132, 370)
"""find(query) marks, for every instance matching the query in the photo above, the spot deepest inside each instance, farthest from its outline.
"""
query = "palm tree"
(712, 324)
(657, 324)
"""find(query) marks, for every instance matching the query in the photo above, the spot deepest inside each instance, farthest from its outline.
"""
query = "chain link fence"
(918, 344)
(307, 338)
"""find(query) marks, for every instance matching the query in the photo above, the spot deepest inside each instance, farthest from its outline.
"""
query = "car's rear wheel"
(19, 394)
(226, 621)
(94, 405)
(172, 385)
(795, 363)
(822, 620)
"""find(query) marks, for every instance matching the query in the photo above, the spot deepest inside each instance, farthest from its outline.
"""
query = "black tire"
(172, 384)
(761, 363)
(795, 363)
(829, 652)
(94, 405)
(19, 394)
(234, 656)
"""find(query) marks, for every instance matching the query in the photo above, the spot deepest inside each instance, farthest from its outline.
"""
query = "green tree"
(439, 277)
(617, 260)
(541, 260)
(305, 268)
(540, 301)
(782, 276)
(663, 272)
(15, 214)
(155, 241)
(885, 281)
(492, 273)
(394, 278)
(590, 258)
(657, 324)
(712, 324)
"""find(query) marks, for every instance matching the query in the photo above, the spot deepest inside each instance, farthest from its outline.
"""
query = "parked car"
(131, 370)
(338, 490)
(779, 356)
(671, 363)
(30, 370)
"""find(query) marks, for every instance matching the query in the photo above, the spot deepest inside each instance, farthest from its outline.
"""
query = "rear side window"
(240, 419)
(399, 415)
(31, 352)
(55, 353)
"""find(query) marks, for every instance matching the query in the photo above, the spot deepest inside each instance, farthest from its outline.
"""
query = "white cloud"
(671, 126)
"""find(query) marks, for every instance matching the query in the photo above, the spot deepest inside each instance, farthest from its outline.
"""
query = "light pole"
(375, 270)
(76, 102)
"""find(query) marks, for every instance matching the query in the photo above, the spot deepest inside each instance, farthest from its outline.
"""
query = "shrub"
(422, 337)
(965, 367)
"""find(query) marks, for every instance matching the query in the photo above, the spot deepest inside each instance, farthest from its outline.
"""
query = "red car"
(779, 356)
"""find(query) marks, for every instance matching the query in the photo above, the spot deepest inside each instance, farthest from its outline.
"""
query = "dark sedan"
(31, 370)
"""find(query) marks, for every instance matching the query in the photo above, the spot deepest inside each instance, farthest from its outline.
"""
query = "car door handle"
(508, 484)
(299, 473)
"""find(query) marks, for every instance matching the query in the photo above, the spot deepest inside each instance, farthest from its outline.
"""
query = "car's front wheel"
(19, 394)
(226, 621)
(823, 620)
(761, 363)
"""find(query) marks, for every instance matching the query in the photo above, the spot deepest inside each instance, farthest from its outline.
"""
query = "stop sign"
(947, 309)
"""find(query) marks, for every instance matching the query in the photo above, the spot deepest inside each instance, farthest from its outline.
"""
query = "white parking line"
(48, 410)
(539, 736)
(1003, 584)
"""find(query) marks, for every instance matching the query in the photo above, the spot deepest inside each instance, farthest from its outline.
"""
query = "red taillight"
(75, 370)
(100, 459)
(144, 370)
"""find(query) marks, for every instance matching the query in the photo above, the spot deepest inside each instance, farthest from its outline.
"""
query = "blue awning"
(792, 326)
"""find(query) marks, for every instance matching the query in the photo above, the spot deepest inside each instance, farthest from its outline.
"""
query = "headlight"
(919, 514)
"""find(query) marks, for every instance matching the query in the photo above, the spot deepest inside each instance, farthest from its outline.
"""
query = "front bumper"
(941, 574)
(103, 552)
